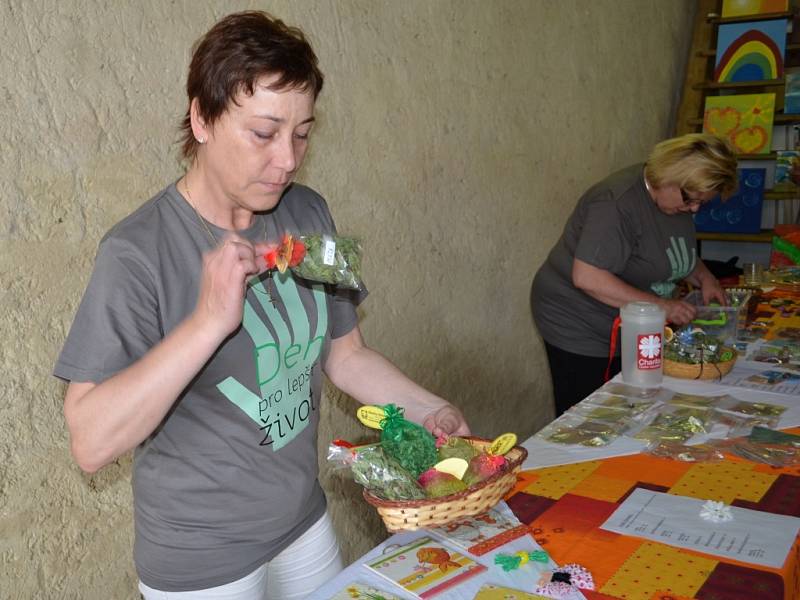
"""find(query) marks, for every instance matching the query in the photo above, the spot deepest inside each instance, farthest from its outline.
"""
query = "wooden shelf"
(765, 236)
(713, 51)
(769, 156)
(718, 20)
(781, 194)
(778, 120)
(732, 85)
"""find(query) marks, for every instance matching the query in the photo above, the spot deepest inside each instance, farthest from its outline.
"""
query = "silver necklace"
(214, 242)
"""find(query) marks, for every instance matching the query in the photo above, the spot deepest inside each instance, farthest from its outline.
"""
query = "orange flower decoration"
(289, 253)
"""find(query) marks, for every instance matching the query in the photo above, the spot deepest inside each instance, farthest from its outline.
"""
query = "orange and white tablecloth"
(564, 506)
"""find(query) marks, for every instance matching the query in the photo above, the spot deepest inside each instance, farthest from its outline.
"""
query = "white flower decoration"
(716, 512)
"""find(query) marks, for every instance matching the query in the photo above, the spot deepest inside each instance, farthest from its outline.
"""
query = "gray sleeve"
(345, 317)
(604, 241)
(118, 318)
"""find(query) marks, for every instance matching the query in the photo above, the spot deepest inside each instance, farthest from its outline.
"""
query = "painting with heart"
(745, 120)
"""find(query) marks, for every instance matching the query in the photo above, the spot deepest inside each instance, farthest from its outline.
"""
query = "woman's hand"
(678, 311)
(712, 290)
(446, 420)
(224, 283)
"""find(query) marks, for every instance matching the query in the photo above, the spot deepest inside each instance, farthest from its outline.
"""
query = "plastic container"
(723, 322)
(642, 343)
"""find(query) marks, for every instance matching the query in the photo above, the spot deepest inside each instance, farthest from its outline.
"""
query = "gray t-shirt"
(229, 478)
(616, 226)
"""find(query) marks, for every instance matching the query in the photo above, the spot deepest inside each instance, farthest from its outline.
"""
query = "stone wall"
(454, 138)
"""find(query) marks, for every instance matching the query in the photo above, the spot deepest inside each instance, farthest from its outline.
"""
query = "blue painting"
(787, 170)
(750, 51)
(741, 213)
(791, 99)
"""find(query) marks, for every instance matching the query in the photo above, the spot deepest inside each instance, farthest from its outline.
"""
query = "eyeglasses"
(688, 200)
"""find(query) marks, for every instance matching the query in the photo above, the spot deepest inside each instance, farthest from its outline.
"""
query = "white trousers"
(311, 560)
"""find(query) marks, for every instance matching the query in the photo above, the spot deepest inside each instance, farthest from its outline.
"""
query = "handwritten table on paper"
(752, 536)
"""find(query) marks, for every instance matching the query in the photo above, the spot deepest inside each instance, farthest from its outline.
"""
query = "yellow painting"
(745, 120)
(740, 8)
(495, 592)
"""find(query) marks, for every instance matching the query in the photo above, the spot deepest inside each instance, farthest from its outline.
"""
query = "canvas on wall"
(741, 213)
(750, 51)
(791, 97)
(745, 120)
(741, 8)
(787, 170)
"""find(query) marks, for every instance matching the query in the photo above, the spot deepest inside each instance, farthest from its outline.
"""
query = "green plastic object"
(721, 319)
(410, 444)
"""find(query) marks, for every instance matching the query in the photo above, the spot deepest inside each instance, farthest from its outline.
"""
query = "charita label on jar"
(642, 347)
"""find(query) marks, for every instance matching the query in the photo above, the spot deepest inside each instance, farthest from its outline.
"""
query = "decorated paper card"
(482, 533)
(745, 120)
(359, 591)
(741, 8)
(496, 592)
(741, 213)
(750, 51)
(749, 536)
(426, 567)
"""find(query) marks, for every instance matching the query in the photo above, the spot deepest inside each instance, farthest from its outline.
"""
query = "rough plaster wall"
(454, 138)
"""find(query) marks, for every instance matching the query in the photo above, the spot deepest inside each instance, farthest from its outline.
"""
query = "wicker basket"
(705, 370)
(410, 515)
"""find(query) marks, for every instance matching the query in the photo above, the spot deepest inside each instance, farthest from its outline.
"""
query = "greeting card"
(496, 592)
(426, 567)
(359, 591)
(482, 533)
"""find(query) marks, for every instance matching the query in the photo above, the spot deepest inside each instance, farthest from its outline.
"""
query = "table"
(565, 494)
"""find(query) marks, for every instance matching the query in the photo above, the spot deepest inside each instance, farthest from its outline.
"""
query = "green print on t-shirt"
(283, 366)
(681, 264)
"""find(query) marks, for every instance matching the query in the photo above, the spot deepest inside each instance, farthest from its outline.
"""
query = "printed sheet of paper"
(766, 380)
(752, 536)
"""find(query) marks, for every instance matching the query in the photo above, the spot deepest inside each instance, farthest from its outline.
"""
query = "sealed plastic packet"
(331, 259)
(635, 392)
(612, 407)
(696, 400)
(684, 453)
(576, 429)
(765, 434)
(759, 409)
(739, 424)
(775, 455)
(410, 444)
(675, 423)
(374, 470)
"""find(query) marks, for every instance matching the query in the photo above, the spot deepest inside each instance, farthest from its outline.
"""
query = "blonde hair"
(695, 162)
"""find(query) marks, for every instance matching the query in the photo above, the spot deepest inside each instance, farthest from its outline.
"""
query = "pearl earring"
(201, 140)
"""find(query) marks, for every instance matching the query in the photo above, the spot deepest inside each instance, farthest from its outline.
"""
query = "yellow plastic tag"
(454, 466)
(503, 443)
(371, 416)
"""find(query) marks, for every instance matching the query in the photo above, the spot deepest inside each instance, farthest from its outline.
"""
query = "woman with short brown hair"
(212, 373)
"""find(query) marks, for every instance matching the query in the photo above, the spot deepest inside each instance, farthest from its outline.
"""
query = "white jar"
(642, 343)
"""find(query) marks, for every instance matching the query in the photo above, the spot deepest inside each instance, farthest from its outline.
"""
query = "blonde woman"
(630, 238)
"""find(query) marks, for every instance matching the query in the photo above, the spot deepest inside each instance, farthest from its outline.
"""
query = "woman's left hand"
(446, 420)
(712, 290)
